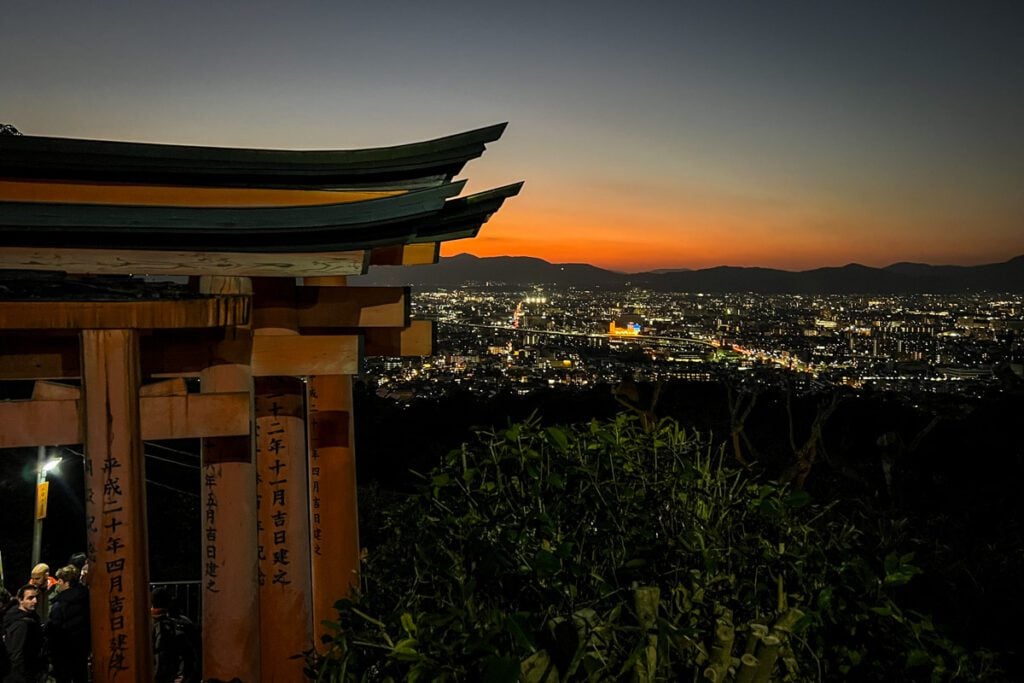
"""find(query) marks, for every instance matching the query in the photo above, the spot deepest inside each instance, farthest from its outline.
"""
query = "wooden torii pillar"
(230, 589)
(333, 508)
(115, 505)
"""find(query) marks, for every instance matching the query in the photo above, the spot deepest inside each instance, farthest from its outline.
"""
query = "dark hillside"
(950, 469)
(853, 278)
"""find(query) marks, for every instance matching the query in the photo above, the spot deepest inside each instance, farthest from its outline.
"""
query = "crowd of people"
(46, 626)
(46, 630)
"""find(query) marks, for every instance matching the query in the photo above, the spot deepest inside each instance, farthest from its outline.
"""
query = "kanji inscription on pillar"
(211, 567)
(282, 525)
(115, 506)
(332, 498)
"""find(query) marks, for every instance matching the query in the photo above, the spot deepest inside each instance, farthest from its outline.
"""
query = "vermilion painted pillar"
(283, 516)
(285, 618)
(230, 587)
(115, 483)
(333, 509)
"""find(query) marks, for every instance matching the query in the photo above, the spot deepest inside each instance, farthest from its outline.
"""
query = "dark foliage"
(531, 550)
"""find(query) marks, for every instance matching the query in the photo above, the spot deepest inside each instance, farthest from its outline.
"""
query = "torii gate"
(274, 358)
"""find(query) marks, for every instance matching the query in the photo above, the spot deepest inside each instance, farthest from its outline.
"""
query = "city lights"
(494, 340)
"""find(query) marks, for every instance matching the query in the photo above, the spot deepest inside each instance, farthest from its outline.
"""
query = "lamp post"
(43, 466)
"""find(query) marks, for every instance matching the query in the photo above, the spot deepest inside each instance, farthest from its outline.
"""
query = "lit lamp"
(43, 467)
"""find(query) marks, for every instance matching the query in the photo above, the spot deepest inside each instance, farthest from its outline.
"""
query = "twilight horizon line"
(453, 248)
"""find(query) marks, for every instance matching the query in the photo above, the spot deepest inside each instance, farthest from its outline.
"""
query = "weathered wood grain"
(115, 507)
(217, 311)
(155, 262)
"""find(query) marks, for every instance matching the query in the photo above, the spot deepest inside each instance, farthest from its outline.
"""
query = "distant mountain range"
(899, 278)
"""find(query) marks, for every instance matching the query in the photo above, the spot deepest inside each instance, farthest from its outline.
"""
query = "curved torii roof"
(409, 165)
(64, 194)
(417, 216)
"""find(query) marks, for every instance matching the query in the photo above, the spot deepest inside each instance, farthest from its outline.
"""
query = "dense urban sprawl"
(493, 340)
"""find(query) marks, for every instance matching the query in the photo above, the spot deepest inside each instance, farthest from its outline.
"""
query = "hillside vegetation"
(630, 550)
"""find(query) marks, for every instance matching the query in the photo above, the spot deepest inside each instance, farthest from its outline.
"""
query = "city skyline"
(671, 136)
(518, 340)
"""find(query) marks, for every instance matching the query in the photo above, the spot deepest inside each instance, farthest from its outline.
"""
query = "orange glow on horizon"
(715, 236)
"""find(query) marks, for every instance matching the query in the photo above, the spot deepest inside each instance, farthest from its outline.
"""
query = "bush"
(610, 552)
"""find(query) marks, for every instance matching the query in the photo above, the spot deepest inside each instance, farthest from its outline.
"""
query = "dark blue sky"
(650, 134)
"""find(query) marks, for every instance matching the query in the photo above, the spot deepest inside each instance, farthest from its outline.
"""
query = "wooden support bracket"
(415, 340)
(298, 356)
(334, 307)
(54, 391)
(424, 253)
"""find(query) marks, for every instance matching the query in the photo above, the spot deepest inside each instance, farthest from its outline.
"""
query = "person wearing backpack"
(175, 654)
(67, 631)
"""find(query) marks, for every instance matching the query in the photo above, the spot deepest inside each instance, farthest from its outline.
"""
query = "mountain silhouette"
(853, 278)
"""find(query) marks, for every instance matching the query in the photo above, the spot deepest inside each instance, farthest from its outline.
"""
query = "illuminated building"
(628, 326)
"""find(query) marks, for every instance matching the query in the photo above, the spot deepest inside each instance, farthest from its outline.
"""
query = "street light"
(43, 467)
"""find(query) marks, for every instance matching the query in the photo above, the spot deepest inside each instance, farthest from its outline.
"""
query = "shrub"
(610, 552)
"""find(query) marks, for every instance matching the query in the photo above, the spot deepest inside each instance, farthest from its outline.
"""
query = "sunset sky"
(650, 135)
